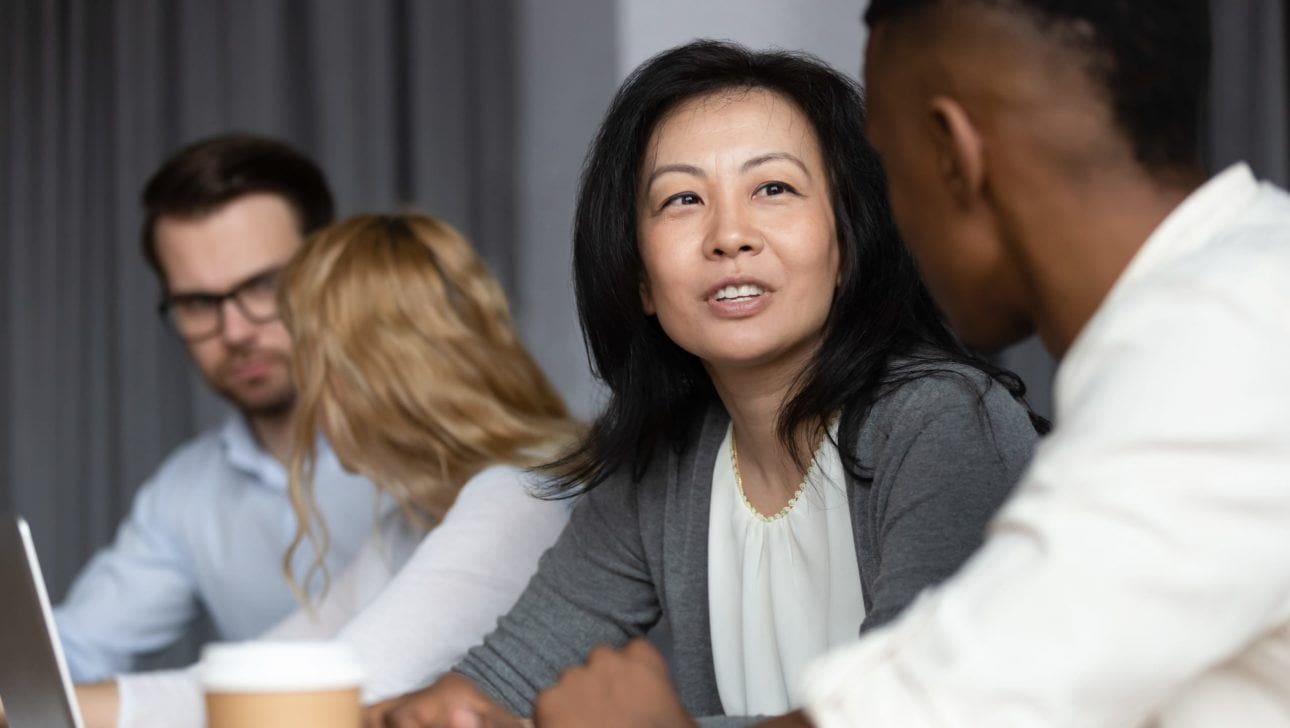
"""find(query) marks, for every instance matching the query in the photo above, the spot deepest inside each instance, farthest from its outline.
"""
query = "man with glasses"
(208, 531)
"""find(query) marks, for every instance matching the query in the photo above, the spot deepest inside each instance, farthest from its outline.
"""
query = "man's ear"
(959, 148)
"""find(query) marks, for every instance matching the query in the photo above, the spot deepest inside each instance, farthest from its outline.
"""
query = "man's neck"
(273, 434)
(1076, 242)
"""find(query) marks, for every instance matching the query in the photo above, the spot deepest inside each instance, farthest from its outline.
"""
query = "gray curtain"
(403, 102)
(476, 110)
(1250, 93)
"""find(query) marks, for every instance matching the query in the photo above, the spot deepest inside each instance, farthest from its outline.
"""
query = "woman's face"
(736, 230)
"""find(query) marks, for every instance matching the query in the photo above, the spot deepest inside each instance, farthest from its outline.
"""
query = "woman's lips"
(738, 297)
(742, 307)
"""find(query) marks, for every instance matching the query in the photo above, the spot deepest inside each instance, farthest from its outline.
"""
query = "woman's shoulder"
(497, 474)
(936, 385)
(674, 465)
(501, 482)
(948, 397)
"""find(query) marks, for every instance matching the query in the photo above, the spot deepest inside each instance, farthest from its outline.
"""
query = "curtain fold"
(398, 100)
(404, 103)
(1250, 94)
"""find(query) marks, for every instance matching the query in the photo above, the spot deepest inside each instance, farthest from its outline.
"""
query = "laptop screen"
(34, 683)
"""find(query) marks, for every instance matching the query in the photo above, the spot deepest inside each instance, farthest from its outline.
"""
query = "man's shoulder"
(1240, 278)
(1250, 254)
(1236, 278)
(200, 456)
(1214, 322)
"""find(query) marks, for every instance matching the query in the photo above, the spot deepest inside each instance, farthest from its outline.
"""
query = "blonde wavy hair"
(405, 357)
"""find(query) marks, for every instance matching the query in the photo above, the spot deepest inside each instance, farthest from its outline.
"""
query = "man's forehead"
(224, 247)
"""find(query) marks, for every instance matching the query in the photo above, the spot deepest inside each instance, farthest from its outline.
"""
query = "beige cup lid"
(278, 666)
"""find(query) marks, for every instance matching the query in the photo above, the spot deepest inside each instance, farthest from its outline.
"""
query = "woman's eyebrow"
(689, 169)
(760, 159)
(772, 156)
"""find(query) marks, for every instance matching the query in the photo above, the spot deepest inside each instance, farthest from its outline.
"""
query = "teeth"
(745, 291)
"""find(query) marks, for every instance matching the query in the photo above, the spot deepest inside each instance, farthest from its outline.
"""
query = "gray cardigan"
(944, 455)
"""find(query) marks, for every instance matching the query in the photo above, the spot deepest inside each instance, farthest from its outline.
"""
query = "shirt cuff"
(866, 684)
(161, 699)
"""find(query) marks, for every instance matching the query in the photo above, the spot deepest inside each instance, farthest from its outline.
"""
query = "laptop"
(34, 684)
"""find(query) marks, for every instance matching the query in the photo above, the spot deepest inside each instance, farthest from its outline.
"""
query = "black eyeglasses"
(199, 316)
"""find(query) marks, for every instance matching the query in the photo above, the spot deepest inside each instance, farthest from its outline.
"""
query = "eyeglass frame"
(168, 302)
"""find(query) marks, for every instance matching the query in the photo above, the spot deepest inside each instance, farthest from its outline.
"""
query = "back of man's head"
(209, 173)
(1150, 56)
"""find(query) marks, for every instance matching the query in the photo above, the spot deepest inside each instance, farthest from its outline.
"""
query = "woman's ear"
(647, 298)
(959, 149)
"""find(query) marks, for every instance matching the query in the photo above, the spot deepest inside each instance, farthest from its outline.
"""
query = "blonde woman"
(407, 360)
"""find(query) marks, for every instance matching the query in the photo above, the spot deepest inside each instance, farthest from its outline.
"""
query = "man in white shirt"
(1044, 166)
(209, 529)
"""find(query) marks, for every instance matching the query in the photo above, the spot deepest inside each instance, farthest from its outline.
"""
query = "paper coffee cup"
(280, 685)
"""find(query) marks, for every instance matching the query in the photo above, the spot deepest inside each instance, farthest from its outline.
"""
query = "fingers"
(626, 687)
(419, 711)
(792, 720)
(452, 701)
(638, 654)
(374, 715)
(492, 717)
(464, 718)
(643, 653)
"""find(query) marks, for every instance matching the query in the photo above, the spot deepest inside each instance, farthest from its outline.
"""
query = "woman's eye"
(684, 198)
(775, 188)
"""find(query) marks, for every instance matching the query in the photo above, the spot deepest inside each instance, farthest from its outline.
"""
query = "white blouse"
(782, 590)
(408, 606)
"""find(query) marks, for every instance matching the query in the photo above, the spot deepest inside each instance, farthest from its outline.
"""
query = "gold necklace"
(739, 483)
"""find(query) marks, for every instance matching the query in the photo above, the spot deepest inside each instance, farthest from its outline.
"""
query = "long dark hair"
(882, 329)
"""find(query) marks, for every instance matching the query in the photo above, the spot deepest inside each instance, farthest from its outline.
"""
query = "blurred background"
(476, 111)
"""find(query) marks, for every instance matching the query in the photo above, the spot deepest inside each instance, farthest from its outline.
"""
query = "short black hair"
(882, 328)
(211, 172)
(1151, 56)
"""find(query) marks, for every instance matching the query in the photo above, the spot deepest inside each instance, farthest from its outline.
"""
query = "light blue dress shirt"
(209, 529)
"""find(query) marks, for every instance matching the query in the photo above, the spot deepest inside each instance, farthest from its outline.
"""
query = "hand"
(452, 701)
(792, 720)
(627, 688)
(99, 703)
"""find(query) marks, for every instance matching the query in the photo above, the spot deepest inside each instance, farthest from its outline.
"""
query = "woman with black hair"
(795, 445)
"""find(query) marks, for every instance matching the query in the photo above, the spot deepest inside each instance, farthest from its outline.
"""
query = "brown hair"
(405, 356)
(212, 172)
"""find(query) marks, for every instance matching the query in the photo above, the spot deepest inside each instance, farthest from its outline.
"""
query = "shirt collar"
(245, 454)
(1207, 210)
(1192, 224)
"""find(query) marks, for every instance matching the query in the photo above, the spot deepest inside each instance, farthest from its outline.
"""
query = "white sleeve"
(465, 574)
(146, 575)
(346, 596)
(168, 698)
(161, 699)
(1146, 544)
